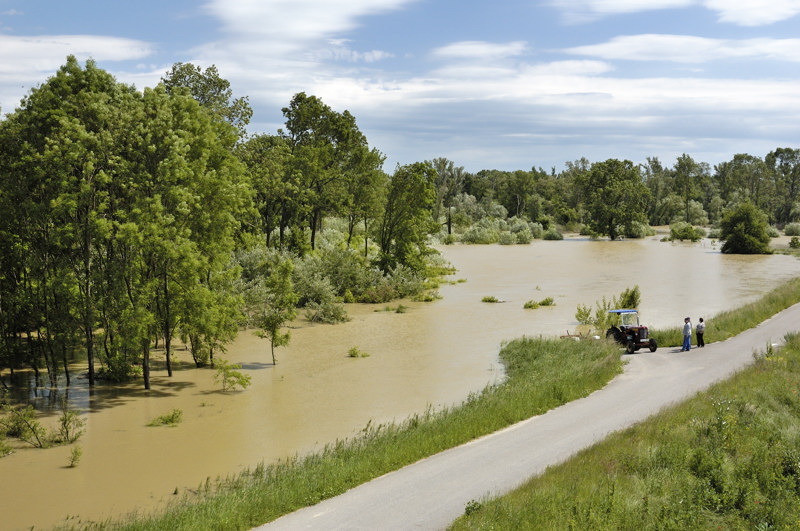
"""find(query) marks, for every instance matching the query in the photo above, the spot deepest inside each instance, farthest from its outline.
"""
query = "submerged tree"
(744, 230)
(615, 197)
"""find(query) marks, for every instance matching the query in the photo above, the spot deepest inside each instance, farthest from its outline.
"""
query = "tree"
(744, 230)
(407, 218)
(269, 292)
(688, 177)
(615, 197)
(211, 91)
(326, 147)
(785, 166)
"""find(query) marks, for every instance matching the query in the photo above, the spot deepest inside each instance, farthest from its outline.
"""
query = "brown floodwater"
(433, 355)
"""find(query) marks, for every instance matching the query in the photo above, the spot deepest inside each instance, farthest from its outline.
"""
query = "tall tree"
(744, 230)
(211, 91)
(407, 218)
(785, 166)
(326, 146)
(615, 196)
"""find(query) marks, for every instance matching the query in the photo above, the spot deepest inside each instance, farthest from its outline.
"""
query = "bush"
(552, 234)
(507, 238)
(794, 243)
(792, 229)
(773, 232)
(684, 231)
(638, 229)
(173, 418)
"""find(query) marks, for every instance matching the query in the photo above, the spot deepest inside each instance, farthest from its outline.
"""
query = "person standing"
(687, 335)
(699, 330)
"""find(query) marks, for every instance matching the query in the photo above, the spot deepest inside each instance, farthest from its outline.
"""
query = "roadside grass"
(729, 458)
(541, 373)
(729, 323)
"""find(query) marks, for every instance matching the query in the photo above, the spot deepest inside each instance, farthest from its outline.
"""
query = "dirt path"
(431, 493)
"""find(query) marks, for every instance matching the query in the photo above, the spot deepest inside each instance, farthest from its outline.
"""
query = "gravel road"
(431, 493)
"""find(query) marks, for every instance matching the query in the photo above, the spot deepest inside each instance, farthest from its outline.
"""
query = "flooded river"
(434, 354)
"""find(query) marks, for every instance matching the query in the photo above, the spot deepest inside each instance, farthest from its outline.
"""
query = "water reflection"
(435, 354)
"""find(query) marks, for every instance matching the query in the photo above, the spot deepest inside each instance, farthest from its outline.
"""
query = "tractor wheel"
(630, 348)
(653, 345)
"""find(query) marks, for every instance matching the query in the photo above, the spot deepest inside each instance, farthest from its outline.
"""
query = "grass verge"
(727, 459)
(540, 375)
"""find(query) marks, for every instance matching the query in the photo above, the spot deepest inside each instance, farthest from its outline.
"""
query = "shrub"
(230, 377)
(773, 232)
(792, 229)
(684, 231)
(490, 298)
(531, 305)
(638, 229)
(507, 238)
(794, 243)
(75, 456)
(172, 418)
(552, 234)
(355, 352)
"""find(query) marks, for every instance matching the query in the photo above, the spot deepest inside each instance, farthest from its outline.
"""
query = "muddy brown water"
(433, 355)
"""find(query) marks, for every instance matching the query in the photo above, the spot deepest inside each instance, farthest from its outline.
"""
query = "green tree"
(688, 178)
(270, 295)
(407, 219)
(615, 196)
(326, 148)
(785, 166)
(744, 230)
(211, 91)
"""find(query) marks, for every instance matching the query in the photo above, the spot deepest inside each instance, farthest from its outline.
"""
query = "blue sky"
(508, 84)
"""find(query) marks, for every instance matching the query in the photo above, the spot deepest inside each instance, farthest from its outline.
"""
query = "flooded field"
(434, 354)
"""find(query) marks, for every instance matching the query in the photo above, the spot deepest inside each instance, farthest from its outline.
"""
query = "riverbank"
(262, 494)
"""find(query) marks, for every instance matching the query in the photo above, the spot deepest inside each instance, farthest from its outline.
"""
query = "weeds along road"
(433, 492)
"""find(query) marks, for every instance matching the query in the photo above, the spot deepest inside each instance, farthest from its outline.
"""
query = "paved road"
(431, 493)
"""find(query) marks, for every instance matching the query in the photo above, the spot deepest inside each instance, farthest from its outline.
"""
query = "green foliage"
(601, 320)
(173, 418)
(792, 229)
(532, 305)
(744, 230)
(75, 455)
(682, 230)
(490, 298)
(230, 376)
(615, 197)
(552, 234)
(21, 423)
(70, 425)
(355, 352)
(794, 243)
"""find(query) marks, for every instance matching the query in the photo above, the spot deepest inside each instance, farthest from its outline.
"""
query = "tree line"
(136, 218)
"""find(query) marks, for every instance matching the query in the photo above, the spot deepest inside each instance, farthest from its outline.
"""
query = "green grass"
(541, 374)
(727, 459)
(727, 324)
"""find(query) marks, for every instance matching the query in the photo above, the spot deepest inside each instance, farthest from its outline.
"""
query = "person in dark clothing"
(699, 330)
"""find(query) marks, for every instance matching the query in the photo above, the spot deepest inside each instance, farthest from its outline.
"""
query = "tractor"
(630, 334)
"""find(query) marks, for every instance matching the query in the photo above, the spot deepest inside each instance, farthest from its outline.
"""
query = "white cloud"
(45, 53)
(481, 50)
(581, 11)
(739, 12)
(690, 49)
(754, 12)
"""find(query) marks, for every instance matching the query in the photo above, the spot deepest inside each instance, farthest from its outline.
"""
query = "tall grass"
(727, 459)
(541, 374)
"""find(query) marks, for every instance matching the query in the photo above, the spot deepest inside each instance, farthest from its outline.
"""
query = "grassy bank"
(541, 374)
(727, 459)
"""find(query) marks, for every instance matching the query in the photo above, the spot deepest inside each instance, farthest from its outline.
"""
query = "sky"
(506, 84)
